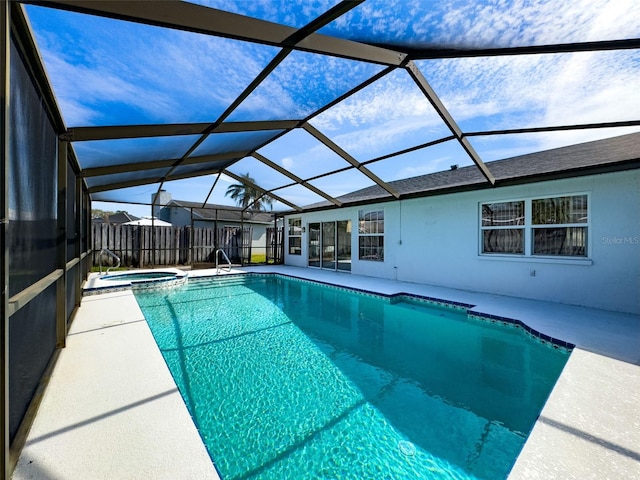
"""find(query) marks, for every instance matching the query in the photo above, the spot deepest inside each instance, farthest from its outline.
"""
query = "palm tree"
(245, 194)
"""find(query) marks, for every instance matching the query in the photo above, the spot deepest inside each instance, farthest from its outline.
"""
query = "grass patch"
(259, 258)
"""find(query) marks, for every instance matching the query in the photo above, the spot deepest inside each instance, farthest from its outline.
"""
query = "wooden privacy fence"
(141, 245)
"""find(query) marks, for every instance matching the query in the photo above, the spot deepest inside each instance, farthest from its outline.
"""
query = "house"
(182, 213)
(116, 218)
(561, 225)
(149, 222)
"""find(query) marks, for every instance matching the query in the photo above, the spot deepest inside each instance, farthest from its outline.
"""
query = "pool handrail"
(225, 257)
(112, 255)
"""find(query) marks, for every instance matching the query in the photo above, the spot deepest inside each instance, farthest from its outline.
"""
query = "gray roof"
(617, 153)
(122, 217)
(223, 213)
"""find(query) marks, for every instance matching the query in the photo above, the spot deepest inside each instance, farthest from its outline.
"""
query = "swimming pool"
(289, 379)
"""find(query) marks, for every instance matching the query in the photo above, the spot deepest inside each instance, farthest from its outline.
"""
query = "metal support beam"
(83, 134)
(25, 40)
(216, 241)
(327, 17)
(275, 238)
(596, 46)
(86, 232)
(126, 168)
(4, 225)
(295, 178)
(446, 117)
(556, 128)
(22, 298)
(79, 198)
(61, 247)
(241, 242)
(215, 182)
(230, 127)
(191, 237)
(410, 149)
(223, 158)
(340, 152)
(150, 180)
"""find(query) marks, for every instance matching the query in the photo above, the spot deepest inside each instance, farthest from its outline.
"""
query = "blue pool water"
(289, 379)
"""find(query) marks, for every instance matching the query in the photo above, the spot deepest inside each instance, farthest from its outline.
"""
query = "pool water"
(289, 379)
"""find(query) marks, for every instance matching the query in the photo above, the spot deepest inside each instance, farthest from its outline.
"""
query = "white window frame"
(519, 225)
(376, 234)
(530, 228)
(561, 225)
(296, 234)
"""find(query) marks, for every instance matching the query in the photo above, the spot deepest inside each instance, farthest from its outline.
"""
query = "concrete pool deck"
(132, 423)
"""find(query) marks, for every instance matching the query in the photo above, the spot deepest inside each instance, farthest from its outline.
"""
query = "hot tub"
(134, 279)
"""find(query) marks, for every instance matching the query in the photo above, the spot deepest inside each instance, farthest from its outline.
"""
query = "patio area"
(112, 410)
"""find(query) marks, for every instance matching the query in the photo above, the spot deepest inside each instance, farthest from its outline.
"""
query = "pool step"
(222, 281)
(430, 307)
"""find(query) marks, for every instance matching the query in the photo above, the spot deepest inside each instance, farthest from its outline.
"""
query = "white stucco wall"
(435, 240)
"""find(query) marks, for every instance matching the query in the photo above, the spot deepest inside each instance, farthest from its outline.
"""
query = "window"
(295, 236)
(554, 226)
(559, 226)
(371, 235)
(498, 232)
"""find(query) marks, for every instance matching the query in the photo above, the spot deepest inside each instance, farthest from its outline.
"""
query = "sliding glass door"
(330, 245)
(343, 245)
(314, 245)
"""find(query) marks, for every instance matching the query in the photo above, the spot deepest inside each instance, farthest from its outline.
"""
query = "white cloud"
(288, 163)
(288, 12)
(526, 22)
(595, 87)
(83, 90)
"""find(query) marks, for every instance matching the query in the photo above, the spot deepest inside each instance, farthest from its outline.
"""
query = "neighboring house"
(179, 212)
(561, 225)
(116, 218)
(149, 222)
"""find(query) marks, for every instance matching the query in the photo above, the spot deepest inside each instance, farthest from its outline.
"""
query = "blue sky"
(106, 72)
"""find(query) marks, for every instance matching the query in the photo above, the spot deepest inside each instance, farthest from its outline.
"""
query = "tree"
(245, 194)
(105, 214)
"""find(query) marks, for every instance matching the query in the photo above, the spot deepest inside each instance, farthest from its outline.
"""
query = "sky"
(106, 72)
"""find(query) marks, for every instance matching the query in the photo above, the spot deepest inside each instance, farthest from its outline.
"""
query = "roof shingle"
(584, 158)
